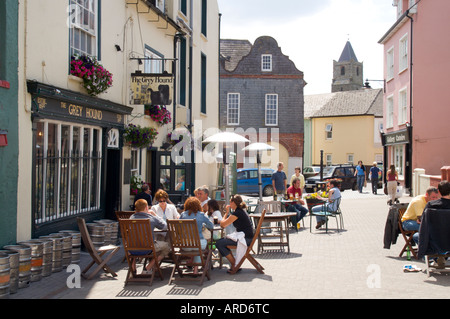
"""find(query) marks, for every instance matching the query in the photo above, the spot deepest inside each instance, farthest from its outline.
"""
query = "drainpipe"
(410, 153)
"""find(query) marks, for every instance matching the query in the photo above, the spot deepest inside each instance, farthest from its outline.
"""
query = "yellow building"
(345, 125)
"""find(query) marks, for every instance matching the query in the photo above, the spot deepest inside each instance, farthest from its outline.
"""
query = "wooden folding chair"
(185, 241)
(124, 214)
(138, 244)
(248, 255)
(407, 235)
(96, 254)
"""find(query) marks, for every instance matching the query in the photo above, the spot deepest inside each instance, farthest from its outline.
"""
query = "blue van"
(247, 181)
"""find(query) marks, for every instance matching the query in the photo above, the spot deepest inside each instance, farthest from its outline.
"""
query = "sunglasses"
(161, 201)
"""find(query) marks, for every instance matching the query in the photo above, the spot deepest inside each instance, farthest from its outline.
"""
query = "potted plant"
(158, 113)
(96, 79)
(139, 137)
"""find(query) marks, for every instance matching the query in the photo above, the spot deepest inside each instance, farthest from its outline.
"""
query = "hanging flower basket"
(158, 113)
(139, 137)
(96, 79)
(172, 140)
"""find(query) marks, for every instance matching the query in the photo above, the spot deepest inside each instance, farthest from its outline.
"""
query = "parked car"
(344, 172)
(310, 171)
(247, 181)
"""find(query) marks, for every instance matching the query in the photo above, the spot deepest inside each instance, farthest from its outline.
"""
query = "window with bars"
(67, 170)
(83, 23)
(271, 109)
(233, 108)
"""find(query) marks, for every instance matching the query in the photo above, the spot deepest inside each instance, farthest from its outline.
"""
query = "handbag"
(385, 189)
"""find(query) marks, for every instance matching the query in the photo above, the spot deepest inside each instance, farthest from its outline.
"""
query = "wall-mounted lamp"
(118, 48)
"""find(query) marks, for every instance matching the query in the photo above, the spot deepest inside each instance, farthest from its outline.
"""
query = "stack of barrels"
(31, 260)
(24, 252)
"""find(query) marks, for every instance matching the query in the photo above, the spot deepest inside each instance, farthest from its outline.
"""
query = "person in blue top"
(374, 172)
(360, 174)
(193, 210)
(279, 180)
(333, 194)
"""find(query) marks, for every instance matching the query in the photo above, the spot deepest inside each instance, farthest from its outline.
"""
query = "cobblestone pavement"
(349, 264)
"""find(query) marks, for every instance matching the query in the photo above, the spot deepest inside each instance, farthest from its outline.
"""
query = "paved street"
(349, 264)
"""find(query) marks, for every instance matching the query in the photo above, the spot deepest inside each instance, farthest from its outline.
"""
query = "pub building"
(77, 156)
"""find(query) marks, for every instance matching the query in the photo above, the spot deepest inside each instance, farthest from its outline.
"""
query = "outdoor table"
(264, 239)
(311, 202)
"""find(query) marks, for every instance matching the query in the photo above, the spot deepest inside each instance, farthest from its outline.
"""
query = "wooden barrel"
(4, 276)
(36, 258)
(66, 248)
(76, 245)
(56, 252)
(97, 233)
(24, 264)
(13, 270)
(47, 255)
(109, 229)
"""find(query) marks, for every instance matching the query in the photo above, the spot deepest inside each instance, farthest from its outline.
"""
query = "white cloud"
(315, 35)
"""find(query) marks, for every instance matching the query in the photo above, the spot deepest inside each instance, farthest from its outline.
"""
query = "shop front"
(77, 157)
(397, 147)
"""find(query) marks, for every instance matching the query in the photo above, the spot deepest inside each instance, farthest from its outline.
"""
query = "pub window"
(83, 27)
(67, 170)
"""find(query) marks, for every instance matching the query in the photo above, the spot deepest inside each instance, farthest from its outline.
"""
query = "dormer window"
(266, 62)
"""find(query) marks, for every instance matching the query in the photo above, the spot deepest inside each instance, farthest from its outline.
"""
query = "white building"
(72, 157)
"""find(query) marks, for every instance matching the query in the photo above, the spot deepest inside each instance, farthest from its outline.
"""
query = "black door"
(112, 196)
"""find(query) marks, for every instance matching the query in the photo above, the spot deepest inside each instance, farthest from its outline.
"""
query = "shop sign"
(79, 112)
(401, 137)
(153, 89)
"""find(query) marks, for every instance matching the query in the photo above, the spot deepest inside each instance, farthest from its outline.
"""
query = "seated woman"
(333, 194)
(164, 210)
(193, 210)
(241, 221)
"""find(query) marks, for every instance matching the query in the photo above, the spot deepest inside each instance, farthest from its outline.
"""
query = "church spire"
(347, 72)
(348, 54)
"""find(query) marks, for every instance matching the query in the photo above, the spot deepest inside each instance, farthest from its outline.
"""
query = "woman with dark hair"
(241, 221)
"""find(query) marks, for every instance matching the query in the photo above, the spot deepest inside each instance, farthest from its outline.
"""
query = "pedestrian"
(360, 174)
(392, 179)
(279, 180)
(374, 173)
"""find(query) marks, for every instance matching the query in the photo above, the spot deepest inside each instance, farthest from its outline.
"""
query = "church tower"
(347, 72)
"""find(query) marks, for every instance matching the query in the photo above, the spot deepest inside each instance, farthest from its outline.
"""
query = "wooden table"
(281, 231)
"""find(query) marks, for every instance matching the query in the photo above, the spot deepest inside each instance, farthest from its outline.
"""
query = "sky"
(313, 33)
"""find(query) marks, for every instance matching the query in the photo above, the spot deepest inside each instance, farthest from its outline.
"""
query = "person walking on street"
(360, 174)
(374, 172)
(392, 179)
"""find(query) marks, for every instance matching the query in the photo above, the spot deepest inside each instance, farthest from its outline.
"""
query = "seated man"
(202, 193)
(441, 203)
(296, 191)
(145, 194)
(142, 212)
(411, 218)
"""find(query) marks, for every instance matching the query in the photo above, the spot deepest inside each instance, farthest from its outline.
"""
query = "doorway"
(112, 189)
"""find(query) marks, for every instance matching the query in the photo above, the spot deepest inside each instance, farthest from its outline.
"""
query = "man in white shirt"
(202, 193)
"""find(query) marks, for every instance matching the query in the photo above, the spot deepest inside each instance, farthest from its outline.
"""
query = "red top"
(292, 190)
(391, 177)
